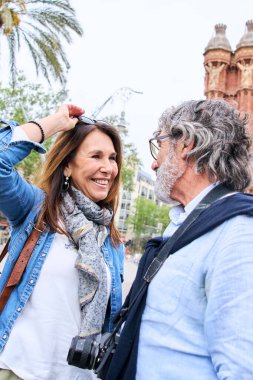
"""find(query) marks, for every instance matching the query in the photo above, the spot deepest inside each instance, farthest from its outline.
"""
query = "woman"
(77, 263)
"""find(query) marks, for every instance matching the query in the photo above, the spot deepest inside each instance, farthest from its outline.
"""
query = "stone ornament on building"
(219, 40)
(214, 73)
(246, 73)
(229, 72)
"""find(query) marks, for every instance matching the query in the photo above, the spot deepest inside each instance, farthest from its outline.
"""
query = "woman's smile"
(94, 167)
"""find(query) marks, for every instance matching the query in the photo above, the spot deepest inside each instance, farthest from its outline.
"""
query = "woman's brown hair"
(52, 177)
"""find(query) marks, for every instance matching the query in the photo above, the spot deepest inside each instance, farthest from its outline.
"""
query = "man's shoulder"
(239, 197)
(229, 207)
(240, 224)
(216, 214)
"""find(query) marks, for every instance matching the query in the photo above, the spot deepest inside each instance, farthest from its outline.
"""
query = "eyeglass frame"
(153, 146)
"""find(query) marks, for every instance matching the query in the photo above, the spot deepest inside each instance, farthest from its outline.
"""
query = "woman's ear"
(67, 171)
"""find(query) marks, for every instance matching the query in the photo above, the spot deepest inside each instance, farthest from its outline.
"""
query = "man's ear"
(186, 148)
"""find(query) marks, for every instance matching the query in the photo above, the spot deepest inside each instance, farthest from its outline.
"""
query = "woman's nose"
(106, 166)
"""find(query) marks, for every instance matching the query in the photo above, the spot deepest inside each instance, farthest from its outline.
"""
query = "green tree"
(40, 25)
(28, 101)
(130, 156)
(148, 217)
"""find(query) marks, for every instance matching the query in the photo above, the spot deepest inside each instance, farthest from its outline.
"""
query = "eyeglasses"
(89, 121)
(154, 149)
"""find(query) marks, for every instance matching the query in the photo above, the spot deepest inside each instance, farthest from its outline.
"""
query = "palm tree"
(40, 24)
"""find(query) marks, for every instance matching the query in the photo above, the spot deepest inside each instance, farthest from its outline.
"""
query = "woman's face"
(94, 166)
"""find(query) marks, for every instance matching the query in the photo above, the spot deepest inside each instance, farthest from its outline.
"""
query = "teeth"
(102, 181)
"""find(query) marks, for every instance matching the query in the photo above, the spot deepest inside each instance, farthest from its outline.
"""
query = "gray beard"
(167, 175)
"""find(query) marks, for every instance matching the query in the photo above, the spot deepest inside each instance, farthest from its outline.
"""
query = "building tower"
(229, 74)
(244, 61)
(217, 62)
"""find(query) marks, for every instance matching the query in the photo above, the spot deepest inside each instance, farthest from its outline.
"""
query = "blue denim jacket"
(21, 202)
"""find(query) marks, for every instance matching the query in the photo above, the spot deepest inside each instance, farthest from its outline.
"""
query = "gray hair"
(221, 139)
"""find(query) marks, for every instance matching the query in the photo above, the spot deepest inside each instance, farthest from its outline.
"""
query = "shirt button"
(4, 336)
(19, 309)
(31, 281)
(43, 254)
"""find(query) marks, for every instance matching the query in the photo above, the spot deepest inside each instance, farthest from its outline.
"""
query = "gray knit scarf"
(85, 222)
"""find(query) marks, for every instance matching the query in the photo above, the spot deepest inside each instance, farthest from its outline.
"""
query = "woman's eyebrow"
(101, 152)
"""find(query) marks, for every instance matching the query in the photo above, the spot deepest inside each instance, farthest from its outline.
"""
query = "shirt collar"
(179, 213)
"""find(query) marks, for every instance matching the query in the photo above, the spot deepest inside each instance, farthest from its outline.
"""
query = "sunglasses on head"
(89, 121)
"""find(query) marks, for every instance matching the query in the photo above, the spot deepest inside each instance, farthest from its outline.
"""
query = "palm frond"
(47, 53)
(57, 19)
(60, 4)
(12, 48)
(37, 59)
(41, 24)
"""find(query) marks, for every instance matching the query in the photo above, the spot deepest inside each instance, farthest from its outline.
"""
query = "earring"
(66, 183)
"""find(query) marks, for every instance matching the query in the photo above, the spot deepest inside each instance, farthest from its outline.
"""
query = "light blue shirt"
(197, 323)
(178, 214)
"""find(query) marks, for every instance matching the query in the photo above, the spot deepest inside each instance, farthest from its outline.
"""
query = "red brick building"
(229, 74)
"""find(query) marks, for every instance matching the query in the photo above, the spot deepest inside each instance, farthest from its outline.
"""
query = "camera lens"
(83, 352)
(86, 353)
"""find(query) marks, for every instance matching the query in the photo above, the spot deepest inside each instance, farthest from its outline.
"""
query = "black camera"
(88, 353)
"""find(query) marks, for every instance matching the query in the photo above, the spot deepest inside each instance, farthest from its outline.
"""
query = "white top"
(40, 339)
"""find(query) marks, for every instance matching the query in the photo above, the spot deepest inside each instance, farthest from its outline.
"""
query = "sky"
(152, 46)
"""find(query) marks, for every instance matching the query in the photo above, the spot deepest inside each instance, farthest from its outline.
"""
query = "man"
(195, 320)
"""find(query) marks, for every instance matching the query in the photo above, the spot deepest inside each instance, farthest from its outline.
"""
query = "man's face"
(169, 169)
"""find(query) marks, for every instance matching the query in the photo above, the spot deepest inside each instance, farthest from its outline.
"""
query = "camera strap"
(214, 195)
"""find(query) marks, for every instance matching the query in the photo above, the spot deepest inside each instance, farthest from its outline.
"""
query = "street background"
(130, 272)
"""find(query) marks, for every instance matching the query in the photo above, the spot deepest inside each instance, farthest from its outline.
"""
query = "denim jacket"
(21, 202)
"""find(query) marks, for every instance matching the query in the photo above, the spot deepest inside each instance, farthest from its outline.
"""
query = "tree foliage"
(40, 25)
(148, 218)
(28, 101)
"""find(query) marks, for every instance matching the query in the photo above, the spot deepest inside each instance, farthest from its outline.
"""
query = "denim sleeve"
(228, 320)
(17, 196)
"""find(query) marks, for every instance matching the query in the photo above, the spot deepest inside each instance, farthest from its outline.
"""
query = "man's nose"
(154, 165)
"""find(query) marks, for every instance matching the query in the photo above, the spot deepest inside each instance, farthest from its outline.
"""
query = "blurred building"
(143, 186)
(228, 72)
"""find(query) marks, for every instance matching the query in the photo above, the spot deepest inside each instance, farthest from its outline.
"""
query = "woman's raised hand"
(66, 116)
(64, 119)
